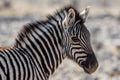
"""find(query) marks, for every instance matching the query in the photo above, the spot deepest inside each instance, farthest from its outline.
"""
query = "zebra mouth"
(90, 68)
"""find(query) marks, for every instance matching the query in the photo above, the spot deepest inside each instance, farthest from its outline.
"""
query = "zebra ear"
(70, 18)
(84, 14)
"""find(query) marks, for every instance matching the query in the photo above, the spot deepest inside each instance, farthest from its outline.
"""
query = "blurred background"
(103, 23)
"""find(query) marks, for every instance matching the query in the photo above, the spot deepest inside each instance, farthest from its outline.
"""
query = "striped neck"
(42, 40)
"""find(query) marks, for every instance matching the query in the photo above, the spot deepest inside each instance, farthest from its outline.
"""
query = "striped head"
(76, 40)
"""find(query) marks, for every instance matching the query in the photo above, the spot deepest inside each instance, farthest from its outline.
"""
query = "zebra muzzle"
(90, 68)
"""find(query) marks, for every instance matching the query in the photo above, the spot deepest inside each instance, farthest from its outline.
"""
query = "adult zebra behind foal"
(42, 45)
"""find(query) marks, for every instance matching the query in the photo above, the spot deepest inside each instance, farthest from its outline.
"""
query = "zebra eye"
(75, 39)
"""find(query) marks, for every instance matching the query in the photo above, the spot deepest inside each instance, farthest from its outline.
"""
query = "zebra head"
(77, 40)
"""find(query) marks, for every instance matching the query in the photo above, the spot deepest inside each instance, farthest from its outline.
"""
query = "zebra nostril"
(90, 67)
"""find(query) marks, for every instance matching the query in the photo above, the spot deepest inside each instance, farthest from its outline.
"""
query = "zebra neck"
(56, 35)
(42, 41)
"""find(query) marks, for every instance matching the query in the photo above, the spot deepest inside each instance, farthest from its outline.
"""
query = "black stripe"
(52, 46)
(12, 65)
(82, 40)
(34, 47)
(18, 53)
(80, 62)
(59, 40)
(32, 52)
(59, 15)
(56, 43)
(3, 68)
(32, 68)
(26, 63)
(0, 77)
(47, 47)
(57, 36)
(56, 32)
(28, 48)
(16, 61)
(8, 72)
(81, 57)
(39, 52)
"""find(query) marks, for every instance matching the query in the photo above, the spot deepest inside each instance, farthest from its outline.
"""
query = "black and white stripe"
(41, 46)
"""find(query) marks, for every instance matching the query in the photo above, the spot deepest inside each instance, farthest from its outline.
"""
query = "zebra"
(41, 46)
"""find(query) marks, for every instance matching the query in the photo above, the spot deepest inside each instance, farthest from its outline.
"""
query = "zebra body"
(39, 49)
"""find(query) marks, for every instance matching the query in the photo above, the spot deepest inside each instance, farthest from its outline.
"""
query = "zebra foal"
(42, 45)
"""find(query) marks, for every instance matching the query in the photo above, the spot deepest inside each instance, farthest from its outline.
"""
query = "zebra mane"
(31, 26)
(66, 8)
